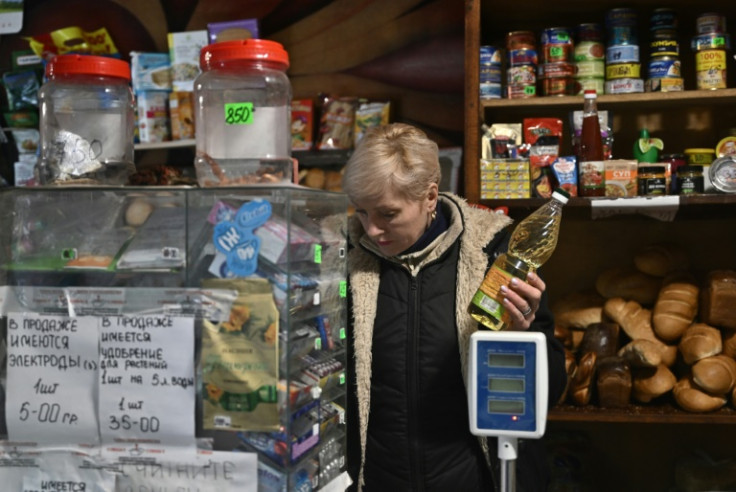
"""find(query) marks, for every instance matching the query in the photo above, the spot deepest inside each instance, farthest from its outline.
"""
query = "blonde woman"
(416, 258)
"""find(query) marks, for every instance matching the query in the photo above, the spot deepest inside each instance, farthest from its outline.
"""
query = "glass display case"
(255, 276)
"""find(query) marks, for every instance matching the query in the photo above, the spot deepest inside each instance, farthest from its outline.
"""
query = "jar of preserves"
(690, 180)
(86, 121)
(242, 113)
(652, 180)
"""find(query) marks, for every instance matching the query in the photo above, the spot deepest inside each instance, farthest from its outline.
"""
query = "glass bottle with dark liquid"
(590, 159)
(531, 244)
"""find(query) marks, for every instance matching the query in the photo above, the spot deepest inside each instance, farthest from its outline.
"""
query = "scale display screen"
(514, 407)
(505, 360)
(509, 385)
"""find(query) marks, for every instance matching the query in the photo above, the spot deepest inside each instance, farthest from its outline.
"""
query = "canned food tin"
(521, 75)
(490, 55)
(521, 91)
(623, 71)
(596, 84)
(555, 70)
(664, 67)
(490, 73)
(590, 69)
(624, 86)
(522, 56)
(556, 35)
(589, 32)
(622, 53)
(664, 46)
(665, 84)
(589, 51)
(490, 90)
(622, 35)
(516, 40)
(710, 22)
(557, 52)
(558, 86)
(710, 69)
(621, 17)
(663, 18)
(712, 41)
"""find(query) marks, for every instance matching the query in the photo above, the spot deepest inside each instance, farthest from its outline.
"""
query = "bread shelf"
(666, 413)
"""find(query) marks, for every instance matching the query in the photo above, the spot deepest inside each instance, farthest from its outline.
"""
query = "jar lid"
(723, 174)
(700, 151)
(87, 65)
(690, 169)
(244, 49)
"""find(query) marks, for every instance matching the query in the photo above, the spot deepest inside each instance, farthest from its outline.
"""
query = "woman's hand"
(522, 300)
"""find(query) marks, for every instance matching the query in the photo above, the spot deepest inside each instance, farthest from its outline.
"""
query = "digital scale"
(507, 391)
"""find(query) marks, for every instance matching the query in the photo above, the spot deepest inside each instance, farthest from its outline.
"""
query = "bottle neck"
(589, 106)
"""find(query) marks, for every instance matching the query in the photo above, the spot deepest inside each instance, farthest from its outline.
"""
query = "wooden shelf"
(666, 413)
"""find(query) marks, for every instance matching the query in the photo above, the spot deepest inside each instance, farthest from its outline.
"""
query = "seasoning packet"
(302, 124)
(566, 173)
(544, 136)
(501, 141)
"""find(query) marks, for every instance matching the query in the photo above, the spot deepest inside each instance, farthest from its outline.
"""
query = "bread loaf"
(578, 309)
(581, 385)
(636, 322)
(642, 353)
(715, 375)
(651, 383)
(628, 283)
(729, 342)
(692, 399)
(601, 338)
(570, 367)
(719, 299)
(675, 309)
(661, 259)
(700, 341)
(613, 382)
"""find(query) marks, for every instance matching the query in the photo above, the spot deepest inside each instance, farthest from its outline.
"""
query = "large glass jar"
(243, 112)
(87, 121)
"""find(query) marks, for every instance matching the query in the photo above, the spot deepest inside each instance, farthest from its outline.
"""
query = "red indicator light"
(515, 417)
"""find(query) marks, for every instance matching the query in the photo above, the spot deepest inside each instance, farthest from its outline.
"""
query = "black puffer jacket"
(407, 412)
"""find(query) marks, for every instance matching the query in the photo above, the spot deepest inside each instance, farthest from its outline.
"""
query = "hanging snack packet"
(501, 141)
(370, 115)
(302, 124)
(544, 136)
(337, 123)
(21, 89)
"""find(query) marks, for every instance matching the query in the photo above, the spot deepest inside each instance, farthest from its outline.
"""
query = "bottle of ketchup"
(590, 158)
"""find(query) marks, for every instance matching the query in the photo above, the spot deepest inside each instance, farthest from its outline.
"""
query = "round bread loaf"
(628, 283)
(601, 338)
(661, 259)
(729, 342)
(716, 374)
(692, 399)
(137, 212)
(700, 341)
(651, 383)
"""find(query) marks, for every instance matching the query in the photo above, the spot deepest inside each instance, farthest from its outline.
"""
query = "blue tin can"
(628, 53)
(490, 55)
(662, 67)
(663, 18)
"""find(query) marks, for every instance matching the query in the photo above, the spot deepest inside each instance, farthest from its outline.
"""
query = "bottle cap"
(590, 94)
(561, 195)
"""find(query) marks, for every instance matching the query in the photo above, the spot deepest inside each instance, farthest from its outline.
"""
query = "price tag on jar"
(662, 208)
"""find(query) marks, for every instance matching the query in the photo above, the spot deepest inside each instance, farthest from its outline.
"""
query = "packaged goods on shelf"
(184, 49)
(232, 30)
(153, 116)
(150, 71)
(505, 178)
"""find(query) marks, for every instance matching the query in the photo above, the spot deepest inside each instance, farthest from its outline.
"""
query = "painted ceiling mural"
(407, 51)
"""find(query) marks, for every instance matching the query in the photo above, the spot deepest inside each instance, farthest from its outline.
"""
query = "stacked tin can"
(521, 73)
(556, 73)
(710, 45)
(623, 68)
(590, 59)
(664, 70)
(490, 72)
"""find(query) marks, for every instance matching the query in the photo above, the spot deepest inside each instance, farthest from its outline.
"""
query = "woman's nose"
(372, 228)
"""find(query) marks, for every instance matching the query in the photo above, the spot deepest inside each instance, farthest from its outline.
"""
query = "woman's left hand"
(522, 300)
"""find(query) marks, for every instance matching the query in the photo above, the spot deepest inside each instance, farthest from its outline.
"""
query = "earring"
(434, 214)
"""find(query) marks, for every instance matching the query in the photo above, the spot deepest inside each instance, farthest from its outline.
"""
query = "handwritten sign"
(662, 208)
(146, 384)
(52, 372)
(213, 471)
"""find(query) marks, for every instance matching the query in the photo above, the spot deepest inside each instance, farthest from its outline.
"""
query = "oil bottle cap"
(561, 195)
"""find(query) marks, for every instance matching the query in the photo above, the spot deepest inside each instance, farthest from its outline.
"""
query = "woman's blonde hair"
(396, 156)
